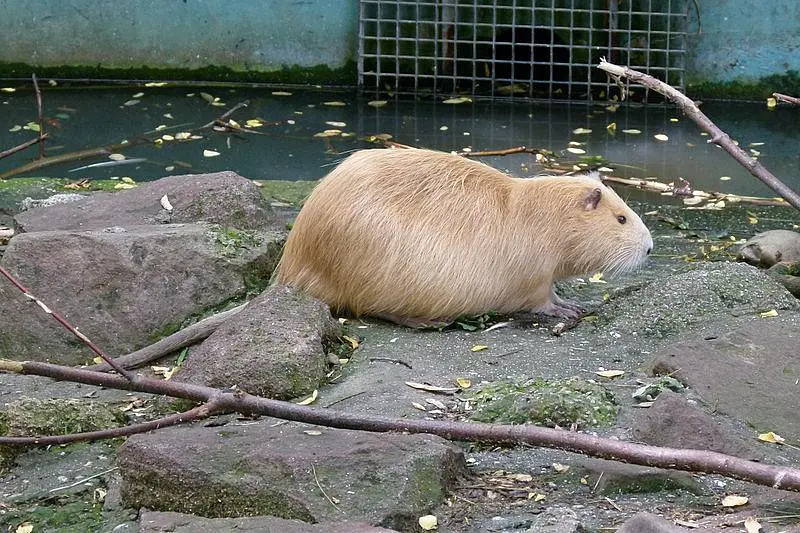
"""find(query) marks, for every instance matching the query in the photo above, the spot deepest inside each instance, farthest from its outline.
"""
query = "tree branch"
(718, 137)
(20, 147)
(784, 478)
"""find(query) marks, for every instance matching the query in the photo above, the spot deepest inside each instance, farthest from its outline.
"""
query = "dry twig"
(786, 99)
(718, 137)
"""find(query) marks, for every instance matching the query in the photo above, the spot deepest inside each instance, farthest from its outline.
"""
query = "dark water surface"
(81, 118)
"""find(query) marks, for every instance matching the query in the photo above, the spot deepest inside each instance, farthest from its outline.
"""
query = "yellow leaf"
(536, 496)
(328, 133)
(752, 220)
(524, 478)
(632, 131)
(97, 360)
(576, 150)
(463, 383)
(558, 467)
(457, 100)
(377, 103)
(768, 314)
(771, 437)
(612, 128)
(311, 399)
(281, 93)
(156, 84)
(581, 131)
(771, 103)
(334, 103)
(610, 373)
(734, 501)
(660, 137)
(428, 522)
(478, 348)
(253, 123)
(597, 278)
(121, 186)
(751, 525)
(352, 341)
(8, 89)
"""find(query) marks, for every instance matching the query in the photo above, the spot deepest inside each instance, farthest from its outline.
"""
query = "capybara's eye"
(621, 219)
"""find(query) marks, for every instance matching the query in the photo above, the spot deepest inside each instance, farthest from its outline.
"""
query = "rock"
(275, 347)
(612, 478)
(661, 310)
(741, 372)
(649, 523)
(223, 198)
(556, 519)
(673, 422)
(155, 522)
(123, 288)
(770, 247)
(260, 469)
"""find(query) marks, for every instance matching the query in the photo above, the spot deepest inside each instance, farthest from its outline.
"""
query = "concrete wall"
(742, 40)
(260, 35)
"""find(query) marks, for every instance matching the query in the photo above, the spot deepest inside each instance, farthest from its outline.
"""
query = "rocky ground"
(724, 331)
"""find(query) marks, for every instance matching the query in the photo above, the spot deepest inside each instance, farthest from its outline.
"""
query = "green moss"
(565, 403)
(290, 192)
(761, 89)
(56, 516)
(231, 241)
(287, 75)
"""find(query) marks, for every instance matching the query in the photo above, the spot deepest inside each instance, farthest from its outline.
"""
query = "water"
(80, 118)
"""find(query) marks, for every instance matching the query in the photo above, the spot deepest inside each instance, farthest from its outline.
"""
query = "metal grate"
(517, 48)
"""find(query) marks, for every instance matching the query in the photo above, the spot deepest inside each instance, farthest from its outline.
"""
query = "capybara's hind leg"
(558, 307)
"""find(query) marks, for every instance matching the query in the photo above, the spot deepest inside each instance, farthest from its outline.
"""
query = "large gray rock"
(274, 347)
(155, 522)
(123, 288)
(261, 469)
(223, 198)
(743, 372)
(649, 523)
(770, 247)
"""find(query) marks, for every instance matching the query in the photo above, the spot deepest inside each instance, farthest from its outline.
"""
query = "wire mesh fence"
(517, 48)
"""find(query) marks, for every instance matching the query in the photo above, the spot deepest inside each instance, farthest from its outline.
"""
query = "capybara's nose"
(649, 250)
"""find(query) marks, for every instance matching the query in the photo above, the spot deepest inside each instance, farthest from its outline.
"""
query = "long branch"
(718, 136)
(778, 477)
(20, 147)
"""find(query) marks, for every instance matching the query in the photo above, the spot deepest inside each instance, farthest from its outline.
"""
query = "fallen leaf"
(156, 84)
(122, 186)
(281, 93)
(660, 137)
(417, 405)
(537, 496)
(253, 123)
(25, 527)
(632, 131)
(165, 203)
(210, 153)
(463, 383)
(8, 89)
(478, 348)
(768, 314)
(576, 150)
(525, 478)
(610, 373)
(117, 157)
(336, 124)
(724, 178)
(771, 437)
(771, 103)
(428, 522)
(352, 341)
(673, 119)
(581, 131)
(734, 501)
(312, 432)
(328, 133)
(311, 399)
(558, 467)
(130, 103)
(377, 103)
(597, 278)
(431, 388)
(612, 128)
(334, 103)
(458, 100)
(436, 403)
(752, 525)
(138, 95)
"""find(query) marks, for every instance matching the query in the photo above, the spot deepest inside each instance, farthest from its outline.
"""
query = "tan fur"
(429, 235)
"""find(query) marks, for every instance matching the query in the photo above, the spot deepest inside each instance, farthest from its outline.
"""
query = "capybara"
(420, 237)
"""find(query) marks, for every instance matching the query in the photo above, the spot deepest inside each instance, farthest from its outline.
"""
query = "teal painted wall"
(260, 35)
(742, 40)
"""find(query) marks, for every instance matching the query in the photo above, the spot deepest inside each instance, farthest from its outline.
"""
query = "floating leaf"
(428, 522)
(768, 314)
(182, 135)
(130, 103)
(660, 137)
(33, 126)
(610, 373)
(156, 84)
(8, 89)
(281, 93)
(443, 128)
(771, 437)
(771, 103)
(311, 399)
(724, 178)
(612, 128)
(478, 348)
(15, 128)
(632, 131)
(210, 153)
(377, 103)
(734, 501)
(581, 131)
(673, 119)
(117, 157)
(458, 100)
(167, 137)
(336, 124)
(573, 150)
(334, 103)
(328, 133)
(138, 95)
(430, 388)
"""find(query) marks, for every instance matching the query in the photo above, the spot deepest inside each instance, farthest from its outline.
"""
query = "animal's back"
(410, 232)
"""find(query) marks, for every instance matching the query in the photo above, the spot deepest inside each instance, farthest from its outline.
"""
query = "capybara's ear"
(591, 199)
